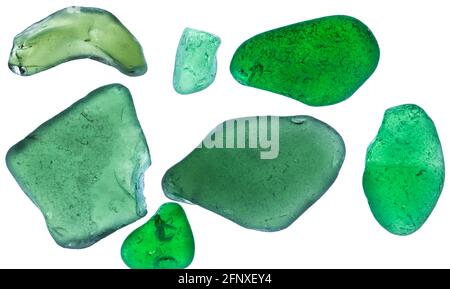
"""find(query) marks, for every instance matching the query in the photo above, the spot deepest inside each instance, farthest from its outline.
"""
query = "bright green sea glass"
(260, 172)
(164, 242)
(318, 62)
(84, 169)
(405, 170)
(75, 33)
(196, 63)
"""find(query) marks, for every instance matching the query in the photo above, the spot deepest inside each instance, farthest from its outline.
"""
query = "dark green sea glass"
(164, 242)
(84, 169)
(405, 170)
(260, 172)
(75, 33)
(318, 62)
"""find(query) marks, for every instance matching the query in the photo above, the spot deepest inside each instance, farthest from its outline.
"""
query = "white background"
(338, 231)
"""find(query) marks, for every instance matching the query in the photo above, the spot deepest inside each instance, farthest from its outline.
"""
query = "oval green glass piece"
(259, 172)
(164, 242)
(195, 63)
(84, 169)
(405, 170)
(318, 62)
(76, 33)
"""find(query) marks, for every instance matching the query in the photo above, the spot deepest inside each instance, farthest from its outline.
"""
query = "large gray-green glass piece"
(195, 63)
(84, 168)
(75, 33)
(260, 172)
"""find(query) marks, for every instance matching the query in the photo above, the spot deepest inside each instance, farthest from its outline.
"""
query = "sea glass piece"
(84, 168)
(164, 242)
(318, 62)
(195, 63)
(76, 33)
(405, 170)
(259, 172)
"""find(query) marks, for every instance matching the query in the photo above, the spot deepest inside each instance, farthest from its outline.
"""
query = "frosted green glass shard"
(84, 169)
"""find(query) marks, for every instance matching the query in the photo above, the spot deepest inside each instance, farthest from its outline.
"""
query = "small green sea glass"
(84, 169)
(318, 62)
(195, 63)
(405, 170)
(259, 172)
(75, 33)
(164, 242)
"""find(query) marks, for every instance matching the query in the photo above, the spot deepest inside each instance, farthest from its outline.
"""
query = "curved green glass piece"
(76, 33)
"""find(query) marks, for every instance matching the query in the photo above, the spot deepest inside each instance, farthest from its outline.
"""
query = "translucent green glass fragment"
(164, 242)
(405, 170)
(318, 62)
